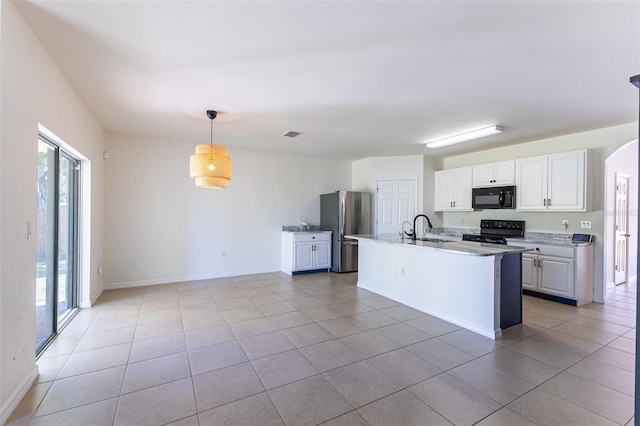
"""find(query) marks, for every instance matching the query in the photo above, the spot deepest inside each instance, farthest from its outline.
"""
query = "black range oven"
(496, 231)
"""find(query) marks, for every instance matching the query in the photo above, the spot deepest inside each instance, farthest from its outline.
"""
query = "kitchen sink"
(431, 240)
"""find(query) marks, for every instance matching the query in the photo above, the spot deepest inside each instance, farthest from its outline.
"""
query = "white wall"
(624, 160)
(367, 172)
(431, 164)
(33, 91)
(160, 228)
(602, 143)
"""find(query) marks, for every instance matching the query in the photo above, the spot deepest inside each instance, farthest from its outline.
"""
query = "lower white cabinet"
(564, 272)
(305, 251)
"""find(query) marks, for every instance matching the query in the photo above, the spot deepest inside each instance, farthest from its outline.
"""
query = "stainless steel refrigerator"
(345, 213)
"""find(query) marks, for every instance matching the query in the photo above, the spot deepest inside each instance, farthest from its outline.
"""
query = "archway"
(622, 161)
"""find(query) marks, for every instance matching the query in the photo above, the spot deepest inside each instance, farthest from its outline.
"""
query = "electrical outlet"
(223, 255)
(402, 272)
(585, 224)
(565, 223)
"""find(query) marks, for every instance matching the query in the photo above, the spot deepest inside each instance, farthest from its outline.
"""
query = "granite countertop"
(450, 244)
(295, 228)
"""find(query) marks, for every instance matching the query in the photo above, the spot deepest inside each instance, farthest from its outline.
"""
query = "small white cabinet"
(453, 189)
(305, 251)
(494, 174)
(554, 182)
(560, 271)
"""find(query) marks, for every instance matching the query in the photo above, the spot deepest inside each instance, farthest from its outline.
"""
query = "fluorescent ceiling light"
(463, 137)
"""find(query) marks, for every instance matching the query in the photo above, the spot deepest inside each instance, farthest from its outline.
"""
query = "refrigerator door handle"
(342, 219)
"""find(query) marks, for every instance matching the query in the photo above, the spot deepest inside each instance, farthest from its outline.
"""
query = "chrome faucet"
(415, 233)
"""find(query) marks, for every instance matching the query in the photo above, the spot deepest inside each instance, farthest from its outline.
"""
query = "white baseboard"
(18, 394)
(92, 300)
(114, 286)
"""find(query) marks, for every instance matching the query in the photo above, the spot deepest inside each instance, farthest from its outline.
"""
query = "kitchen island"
(477, 286)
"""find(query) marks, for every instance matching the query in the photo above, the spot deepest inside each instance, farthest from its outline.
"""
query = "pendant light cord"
(211, 142)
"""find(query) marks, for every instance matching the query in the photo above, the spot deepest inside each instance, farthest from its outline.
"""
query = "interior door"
(621, 222)
(395, 203)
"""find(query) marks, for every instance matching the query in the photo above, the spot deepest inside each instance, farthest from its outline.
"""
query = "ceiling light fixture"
(463, 137)
(210, 166)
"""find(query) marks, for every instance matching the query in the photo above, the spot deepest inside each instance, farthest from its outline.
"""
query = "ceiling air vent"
(291, 134)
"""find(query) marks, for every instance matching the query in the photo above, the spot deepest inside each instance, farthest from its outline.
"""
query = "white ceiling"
(357, 78)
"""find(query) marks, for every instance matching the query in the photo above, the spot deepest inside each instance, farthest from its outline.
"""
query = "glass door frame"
(73, 206)
(72, 242)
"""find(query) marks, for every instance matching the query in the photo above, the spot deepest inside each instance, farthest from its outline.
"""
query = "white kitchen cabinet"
(453, 189)
(305, 251)
(560, 271)
(494, 174)
(556, 182)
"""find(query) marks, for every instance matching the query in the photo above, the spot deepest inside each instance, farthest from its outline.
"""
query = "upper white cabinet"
(494, 174)
(553, 182)
(453, 189)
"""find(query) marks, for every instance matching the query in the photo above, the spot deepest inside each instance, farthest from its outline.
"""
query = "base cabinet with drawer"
(305, 251)
(558, 272)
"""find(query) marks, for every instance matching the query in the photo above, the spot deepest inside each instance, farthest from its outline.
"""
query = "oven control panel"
(505, 228)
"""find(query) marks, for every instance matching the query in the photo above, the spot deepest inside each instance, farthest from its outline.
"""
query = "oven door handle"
(501, 198)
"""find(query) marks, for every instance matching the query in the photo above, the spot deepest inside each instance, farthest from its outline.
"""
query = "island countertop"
(445, 244)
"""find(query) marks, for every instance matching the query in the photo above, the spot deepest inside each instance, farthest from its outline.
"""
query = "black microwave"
(502, 197)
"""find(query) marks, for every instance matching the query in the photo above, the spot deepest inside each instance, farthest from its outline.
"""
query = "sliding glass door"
(56, 240)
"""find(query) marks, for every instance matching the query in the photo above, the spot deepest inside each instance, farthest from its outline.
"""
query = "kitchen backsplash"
(541, 237)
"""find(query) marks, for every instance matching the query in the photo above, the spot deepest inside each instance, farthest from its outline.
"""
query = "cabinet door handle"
(544, 202)
(535, 263)
(548, 202)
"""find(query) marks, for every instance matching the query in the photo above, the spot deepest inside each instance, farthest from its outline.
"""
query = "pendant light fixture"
(210, 166)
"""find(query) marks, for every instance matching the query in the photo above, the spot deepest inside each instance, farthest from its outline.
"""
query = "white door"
(303, 256)
(321, 255)
(529, 272)
(443, 190)
(566, 181)
(556, 277)
(462, 188)
(531, 182)
(395, 202)
(621, 219)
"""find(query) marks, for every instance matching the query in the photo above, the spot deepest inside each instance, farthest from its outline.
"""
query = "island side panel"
(511, 290)
(458, 288)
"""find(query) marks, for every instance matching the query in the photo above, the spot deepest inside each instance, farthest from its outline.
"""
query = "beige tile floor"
(272, 349)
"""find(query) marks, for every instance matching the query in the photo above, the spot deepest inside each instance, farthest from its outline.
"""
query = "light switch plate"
(585, 224)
